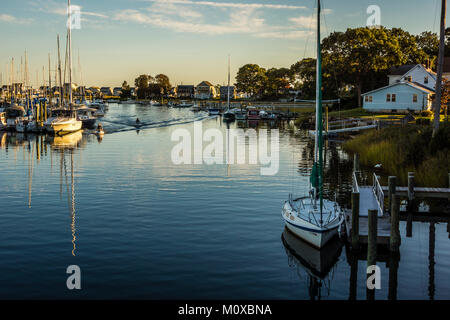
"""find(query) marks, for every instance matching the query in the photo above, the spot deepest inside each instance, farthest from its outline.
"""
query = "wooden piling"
(372, 238)
(393, 272)
(355, 220)
(392, 186)
(356, 162)
(372, 246)
(395, 238)
(410, 186)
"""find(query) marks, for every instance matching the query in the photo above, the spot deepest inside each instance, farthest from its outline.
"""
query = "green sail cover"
(314, 178)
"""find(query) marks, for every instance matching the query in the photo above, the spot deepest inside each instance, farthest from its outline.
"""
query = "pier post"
(372, 246)
(356, 162)
(393, 275)
(409, 223)
(392, 186)
(353, 261)
(411, 191)
(395, 238)
(355, 220)
(449, 179)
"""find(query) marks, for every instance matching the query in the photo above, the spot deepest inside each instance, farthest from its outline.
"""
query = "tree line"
(148, 87)
(353, 62)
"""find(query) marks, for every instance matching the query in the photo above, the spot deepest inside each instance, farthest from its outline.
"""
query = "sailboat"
(228, 115)
(63, 121)
(311, 217)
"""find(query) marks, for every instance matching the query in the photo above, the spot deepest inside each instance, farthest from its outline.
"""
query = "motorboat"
(185, 104)
(87, 116)
(252, 113)
(62, 121)
(13, 116)
(213, 111)
(240, 114)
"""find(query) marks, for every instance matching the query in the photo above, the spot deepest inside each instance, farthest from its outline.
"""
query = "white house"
(410, 89)
(398, 97)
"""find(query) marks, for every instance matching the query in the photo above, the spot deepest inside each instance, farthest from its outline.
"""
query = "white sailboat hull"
(307, 228)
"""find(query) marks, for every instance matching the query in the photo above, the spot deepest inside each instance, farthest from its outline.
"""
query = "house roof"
(401, 70)
(205, 84)
(411, 84)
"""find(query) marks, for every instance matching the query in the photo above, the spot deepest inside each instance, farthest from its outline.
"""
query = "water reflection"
(319, 265)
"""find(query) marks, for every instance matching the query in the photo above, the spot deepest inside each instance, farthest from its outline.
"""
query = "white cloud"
(60, 8)
(230, 4)
(304, 21)
(11, 19)
(240, 18)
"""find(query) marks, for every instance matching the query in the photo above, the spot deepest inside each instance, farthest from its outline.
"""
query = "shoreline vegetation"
(406, 149)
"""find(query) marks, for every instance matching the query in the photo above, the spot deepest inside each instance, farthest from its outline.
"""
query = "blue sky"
(189, 40)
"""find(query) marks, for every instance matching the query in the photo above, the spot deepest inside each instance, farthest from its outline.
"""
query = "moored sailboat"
(311, 217)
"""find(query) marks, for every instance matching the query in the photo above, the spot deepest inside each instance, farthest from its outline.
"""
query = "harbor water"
(141, 227)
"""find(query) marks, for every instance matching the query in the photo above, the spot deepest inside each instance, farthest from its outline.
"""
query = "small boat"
(252, 113)
(87, 116)
(62, 121)
(22, 124)
(213, 112)
(13, 115)
(185, 104)
(129, 101)
(240, 114)
(311, 217)
(229, 116)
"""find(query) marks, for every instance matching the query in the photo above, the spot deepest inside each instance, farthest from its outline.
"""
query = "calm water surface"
(141, 227)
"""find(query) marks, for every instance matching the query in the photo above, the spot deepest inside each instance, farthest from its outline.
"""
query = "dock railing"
(379, 194)
(355, 185)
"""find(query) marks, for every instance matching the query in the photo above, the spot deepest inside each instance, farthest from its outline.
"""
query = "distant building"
(173, 92)
(185, 91)
(224, 92)
(205, 90)
(117, 91)
(106, 91)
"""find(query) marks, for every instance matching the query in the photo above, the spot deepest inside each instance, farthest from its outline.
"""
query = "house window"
(388, 97)
(366, 99)
(414, 98)
(370, 98)
(425, 80)
(393, 97)
(408, 78)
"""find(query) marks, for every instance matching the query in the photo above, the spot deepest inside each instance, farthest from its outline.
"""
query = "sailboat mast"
(61, 96)
(319, 134)
(228, 95)
(49, 80)
(69, 38)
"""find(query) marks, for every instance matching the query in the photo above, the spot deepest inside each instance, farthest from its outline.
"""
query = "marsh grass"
(406, 149)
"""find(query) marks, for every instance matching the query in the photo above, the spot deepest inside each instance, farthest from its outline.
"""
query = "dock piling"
(392, 186)
(372, 246)
(395, 239)
(355, 220)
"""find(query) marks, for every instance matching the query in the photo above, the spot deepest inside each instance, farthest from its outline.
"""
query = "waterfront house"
(410, 89)
(185, 91)
(398, 97)
(117, 91)
(205, 90)
(224, 92)
(106, 91)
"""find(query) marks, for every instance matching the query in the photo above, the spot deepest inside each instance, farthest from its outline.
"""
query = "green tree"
(142, 84)
(303, 77)
(164, 83)
(126, 91)
(278, 81)
(252, 79)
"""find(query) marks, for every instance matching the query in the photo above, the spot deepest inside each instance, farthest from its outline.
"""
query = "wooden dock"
(420, 192)
(383, 233)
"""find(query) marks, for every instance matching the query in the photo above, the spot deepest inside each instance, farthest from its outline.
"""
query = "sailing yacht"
(65, 121)
(228, 115)
(311, 217)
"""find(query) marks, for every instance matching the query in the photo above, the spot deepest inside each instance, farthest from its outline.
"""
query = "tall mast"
(319, 137)
(440, 67)
(61, 96)
(228, 96)
(49, 80)
(69, 38)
